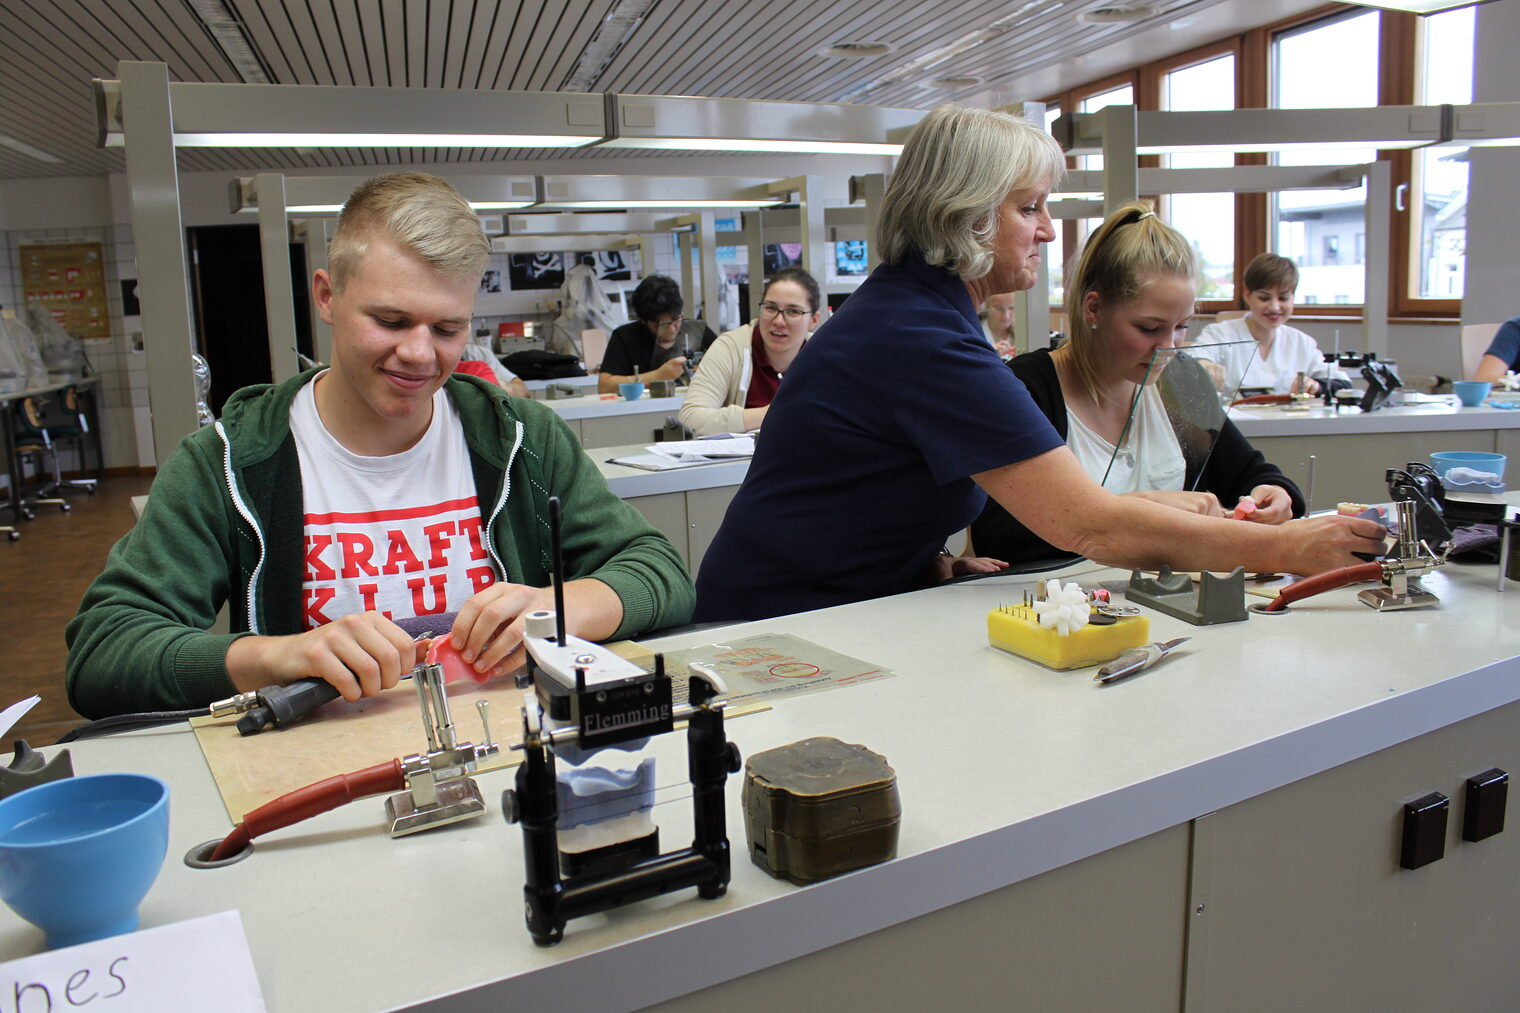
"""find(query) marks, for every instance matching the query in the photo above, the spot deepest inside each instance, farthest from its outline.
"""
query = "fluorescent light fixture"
(324, 195)
(1261, 130)
(333, 139)
(812, 147)
(681, 123)
(1418, 6)
(22, 148)
(308, 116)
(673, 203)
(617, 193)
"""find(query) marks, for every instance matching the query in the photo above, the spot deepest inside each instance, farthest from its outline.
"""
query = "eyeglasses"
(792, 313)
(665, 325)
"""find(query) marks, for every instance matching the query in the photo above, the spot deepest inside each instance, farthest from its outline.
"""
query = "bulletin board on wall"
(70, 280)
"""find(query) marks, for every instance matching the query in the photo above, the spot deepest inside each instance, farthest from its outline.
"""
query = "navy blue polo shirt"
(1506, 343)
(861, 471)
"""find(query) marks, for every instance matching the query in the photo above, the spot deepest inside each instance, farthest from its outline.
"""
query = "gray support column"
(279, 299)
(1031, 321)
(318, 235)
(754, 244)
(159, 237)
(707, 247)
(814, 236)
(1121, 163)
(870, 188)
(688, 284)
(1375, 294)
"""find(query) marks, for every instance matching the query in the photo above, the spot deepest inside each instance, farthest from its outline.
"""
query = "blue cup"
(631, 391)
(1471, 392)
(77, 856)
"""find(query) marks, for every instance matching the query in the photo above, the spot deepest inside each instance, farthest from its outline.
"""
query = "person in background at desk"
(900, 420)
(1503, 354)
(997, 324)
(739, 376)
(651, 346)
(1130, 296)
(1282, 354)
(383, 488)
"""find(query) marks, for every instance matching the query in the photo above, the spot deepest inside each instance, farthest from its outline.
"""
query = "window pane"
(1335, 65)
(1121, 96)
(1438, 212)
(1206, 219)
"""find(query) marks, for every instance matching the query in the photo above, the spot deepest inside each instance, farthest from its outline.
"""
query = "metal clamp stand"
(1412, 559)
(439, 791)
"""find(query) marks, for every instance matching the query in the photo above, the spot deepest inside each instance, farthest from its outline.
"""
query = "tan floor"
(42, 578)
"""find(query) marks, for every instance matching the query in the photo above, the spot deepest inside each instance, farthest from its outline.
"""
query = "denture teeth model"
(1064, 607)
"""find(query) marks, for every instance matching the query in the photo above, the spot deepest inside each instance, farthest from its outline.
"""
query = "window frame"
(1398, 39)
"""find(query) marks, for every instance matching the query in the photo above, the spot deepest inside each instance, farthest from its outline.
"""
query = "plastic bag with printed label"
(21, 366)
(62, 352)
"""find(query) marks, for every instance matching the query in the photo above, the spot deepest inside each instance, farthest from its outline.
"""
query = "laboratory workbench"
(687, 504)
(1218, 833)
(1352, 450)
(601, 423)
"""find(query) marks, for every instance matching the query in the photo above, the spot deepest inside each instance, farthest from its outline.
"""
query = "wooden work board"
(341, 737)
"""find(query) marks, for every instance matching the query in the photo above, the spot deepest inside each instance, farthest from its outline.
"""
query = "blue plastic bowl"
(77, 856)
(1449, 459)
(1471, 392)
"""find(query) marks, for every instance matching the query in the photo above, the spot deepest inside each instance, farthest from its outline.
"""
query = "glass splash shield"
(1175, 418)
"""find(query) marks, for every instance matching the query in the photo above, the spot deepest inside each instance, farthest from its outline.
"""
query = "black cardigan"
(1231, 471)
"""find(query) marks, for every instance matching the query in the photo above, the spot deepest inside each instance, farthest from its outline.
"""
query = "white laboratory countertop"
(1006, 770)
(1320, 421)
(628, 482)
(591, 406)
(571, 381)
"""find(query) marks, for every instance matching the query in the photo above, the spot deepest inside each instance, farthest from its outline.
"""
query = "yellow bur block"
(1017, 630)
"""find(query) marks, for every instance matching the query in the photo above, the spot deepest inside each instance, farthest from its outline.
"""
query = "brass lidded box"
(820, 807)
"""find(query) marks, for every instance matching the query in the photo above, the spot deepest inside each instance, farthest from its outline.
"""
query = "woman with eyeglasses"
(891, 432)
(733, 388)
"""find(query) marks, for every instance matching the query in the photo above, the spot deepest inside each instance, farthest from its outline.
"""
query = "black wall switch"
(1483, 807)
(1424, 838)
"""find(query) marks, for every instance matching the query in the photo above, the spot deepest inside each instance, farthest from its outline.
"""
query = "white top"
(399, 534)
(1292, 352)
(1151, 458)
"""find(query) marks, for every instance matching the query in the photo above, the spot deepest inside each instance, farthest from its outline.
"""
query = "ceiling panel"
(767, 49)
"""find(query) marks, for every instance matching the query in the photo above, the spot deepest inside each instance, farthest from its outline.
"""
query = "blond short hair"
(956, 169)
(421, 212)
(1130, 249)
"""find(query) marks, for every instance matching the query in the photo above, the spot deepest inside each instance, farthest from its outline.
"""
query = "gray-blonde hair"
(957, 167)
(421, 212)
(1129, 250)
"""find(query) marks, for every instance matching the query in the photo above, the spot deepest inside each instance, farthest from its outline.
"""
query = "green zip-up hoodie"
(224, 525)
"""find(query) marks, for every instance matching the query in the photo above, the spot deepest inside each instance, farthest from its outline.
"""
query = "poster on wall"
(69, 279)
(609, 265)
(535, 270)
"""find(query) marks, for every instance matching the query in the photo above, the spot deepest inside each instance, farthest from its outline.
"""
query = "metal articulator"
(585, 697)
(439, 788)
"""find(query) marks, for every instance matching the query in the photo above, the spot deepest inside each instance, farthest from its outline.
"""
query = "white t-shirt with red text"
(400, 535)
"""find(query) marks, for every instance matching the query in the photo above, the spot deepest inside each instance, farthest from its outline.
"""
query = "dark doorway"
(227, 287)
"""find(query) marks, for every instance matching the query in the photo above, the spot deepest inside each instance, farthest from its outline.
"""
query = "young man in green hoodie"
(382, 488)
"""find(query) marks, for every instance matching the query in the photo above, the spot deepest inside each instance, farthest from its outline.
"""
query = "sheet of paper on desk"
(769, 665)
(654, 462)
(686, 450)
(15, 712)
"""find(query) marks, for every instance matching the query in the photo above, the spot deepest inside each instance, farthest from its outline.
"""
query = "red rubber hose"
(304, 803)
(1326, 581)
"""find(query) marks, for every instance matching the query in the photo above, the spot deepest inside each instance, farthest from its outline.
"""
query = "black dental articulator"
(583, 699)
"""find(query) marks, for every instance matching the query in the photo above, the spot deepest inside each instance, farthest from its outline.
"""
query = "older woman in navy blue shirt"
(898, 420)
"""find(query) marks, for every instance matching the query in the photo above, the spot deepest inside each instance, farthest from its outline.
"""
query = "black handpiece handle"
(280, 705)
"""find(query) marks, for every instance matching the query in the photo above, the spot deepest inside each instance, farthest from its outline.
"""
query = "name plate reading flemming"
(200, 964)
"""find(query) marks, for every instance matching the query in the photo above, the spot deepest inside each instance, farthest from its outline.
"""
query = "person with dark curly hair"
(653, 346)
